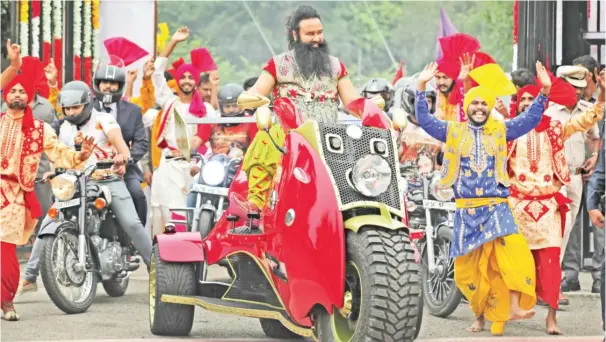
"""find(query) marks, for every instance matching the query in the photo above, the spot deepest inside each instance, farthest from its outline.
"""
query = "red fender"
(180, 247)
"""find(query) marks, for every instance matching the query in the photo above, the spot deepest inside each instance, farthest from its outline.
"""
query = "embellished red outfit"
(23, 140)
(316, 98)
(537, 171)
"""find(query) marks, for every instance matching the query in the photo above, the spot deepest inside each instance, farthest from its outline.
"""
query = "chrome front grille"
(353, 150)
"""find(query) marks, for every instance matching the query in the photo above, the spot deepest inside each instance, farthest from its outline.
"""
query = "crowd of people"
(521, 175)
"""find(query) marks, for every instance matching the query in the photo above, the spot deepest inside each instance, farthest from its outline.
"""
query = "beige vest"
(316, 99)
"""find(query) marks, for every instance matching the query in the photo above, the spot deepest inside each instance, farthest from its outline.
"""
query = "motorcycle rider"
(231, 140)
(414, 138)
(108, 87)
(379, 86)
(81, 119)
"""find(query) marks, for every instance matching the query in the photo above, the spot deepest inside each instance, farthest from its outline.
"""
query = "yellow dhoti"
(487, 274)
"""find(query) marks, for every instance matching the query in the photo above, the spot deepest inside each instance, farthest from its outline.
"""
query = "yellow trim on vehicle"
(383, 220)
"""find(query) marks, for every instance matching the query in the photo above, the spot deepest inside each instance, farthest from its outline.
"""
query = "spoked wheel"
(381, 299)
(71, 290)
(440, 293)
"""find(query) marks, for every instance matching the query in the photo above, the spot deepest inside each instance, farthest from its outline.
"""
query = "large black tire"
(390, 289)
(115, 288)
(441, 308)
(275, 329)
(49, 279)
(167, 319)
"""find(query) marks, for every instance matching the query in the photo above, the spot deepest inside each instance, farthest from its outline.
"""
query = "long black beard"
(313, 60)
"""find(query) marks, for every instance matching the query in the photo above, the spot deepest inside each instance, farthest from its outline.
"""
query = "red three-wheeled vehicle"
(331, 257)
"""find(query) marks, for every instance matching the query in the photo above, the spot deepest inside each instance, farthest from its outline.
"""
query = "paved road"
(126, 319)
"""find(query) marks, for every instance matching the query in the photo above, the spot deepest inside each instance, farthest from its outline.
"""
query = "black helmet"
(76, 93)
(379, 86)
(229, 94)
(112, 70)
(408, 97)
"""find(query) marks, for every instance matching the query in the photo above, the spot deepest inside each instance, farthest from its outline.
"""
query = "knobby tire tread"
(395, 292)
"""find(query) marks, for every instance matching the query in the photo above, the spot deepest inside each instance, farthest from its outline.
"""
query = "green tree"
(409, 28)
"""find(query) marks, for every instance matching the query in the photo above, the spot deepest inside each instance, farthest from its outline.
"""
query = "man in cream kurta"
(538, 170)
(23, 140)
(171, 180)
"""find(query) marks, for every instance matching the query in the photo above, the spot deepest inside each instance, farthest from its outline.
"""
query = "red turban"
(27, 79)
(196, 107)
(451, 68)
(531, 89)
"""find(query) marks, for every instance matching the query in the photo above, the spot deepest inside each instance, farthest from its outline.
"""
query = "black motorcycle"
(431, 208)
(84, 243)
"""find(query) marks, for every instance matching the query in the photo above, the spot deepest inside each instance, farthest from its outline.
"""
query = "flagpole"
(393, 60)
(252, 16)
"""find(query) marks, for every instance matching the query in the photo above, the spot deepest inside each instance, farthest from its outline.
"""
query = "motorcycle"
(329, 250)
(430, 207)
(211, 190)
(84, 243)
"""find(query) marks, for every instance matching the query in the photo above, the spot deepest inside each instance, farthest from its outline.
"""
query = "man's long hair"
(310, 60)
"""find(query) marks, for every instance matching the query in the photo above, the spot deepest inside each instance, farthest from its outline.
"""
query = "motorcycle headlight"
(443, 194)
(213, 173)
(371, 175)
(64, 187)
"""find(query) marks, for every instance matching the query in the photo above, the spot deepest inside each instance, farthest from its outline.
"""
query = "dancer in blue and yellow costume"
(494, 267)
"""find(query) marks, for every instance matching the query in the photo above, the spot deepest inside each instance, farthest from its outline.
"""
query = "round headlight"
(371, 175)
(64, 187)
(213, 173)
(443, 194)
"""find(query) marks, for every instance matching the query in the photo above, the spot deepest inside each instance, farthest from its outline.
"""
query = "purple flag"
(446, 29)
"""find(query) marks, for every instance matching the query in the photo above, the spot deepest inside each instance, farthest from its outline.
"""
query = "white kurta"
(171, 181)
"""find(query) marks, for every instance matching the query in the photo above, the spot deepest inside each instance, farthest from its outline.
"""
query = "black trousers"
(136, 192)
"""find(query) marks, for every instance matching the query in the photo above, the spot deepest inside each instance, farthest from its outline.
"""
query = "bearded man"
(309, 76)
(446, 78)
(24, 139)
(307, 73)
(172, 138)
(494, 268)
(538, 170)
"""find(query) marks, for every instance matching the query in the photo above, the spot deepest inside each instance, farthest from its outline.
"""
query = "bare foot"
(478, 325)
(519, 314)
(552, 326)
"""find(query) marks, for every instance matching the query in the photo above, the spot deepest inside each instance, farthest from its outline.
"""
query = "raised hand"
(181, 34)
(467, 63)
(14, 53)
(428, 73)
(132, 75)
(214, 78)
(88, 145)
(148, 69)
(50, 71)
(602, 80)
(544, 79)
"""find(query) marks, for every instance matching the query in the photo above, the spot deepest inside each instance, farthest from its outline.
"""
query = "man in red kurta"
(537, 171)
(23, 139)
